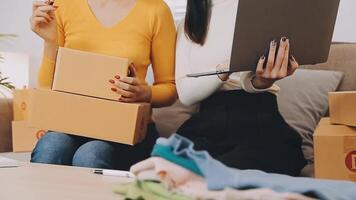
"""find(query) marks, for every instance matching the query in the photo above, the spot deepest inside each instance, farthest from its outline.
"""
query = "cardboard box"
(343, 108)
(335, 151)
(89, 117)
(86, 73)
(20, 104)
(24, 138)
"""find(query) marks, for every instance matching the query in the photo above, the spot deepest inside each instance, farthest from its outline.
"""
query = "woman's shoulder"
(155, 6)
(68, 5)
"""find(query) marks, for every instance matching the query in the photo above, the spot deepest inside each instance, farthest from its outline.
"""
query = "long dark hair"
(197, 20)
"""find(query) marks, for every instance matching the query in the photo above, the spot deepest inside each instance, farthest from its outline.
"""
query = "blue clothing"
(63, 149)
(167, 153)
(219, 176)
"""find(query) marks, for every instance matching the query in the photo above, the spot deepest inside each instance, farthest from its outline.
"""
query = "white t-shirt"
(194, 58)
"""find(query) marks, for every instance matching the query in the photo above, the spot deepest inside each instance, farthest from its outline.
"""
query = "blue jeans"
(63, 149)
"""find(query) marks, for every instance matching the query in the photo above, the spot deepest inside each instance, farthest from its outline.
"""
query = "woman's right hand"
(43, 21)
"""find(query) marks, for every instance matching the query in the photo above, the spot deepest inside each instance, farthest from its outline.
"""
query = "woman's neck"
(120, 2)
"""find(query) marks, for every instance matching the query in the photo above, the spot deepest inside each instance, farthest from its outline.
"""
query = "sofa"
(303, 99)
(342, 58)
(5, 120)
(340, 75)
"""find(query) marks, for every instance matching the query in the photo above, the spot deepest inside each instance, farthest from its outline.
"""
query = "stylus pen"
(118, 173)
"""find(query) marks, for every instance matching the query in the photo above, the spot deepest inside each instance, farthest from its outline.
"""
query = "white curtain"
(178, 8)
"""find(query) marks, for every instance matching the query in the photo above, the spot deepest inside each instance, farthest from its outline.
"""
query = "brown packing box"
(343, 108)
(86, 73)
(335, 151)
(89, 117)
(24, 138)
(20, 104)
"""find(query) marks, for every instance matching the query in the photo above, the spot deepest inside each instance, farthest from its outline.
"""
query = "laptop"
(7, 162)
(308, 24)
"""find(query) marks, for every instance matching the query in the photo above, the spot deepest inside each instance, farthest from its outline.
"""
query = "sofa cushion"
(303, 101)
(169, 119)
(342, 58)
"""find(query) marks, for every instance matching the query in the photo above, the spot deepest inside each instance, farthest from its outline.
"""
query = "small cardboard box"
(89, 117)
(343, 108)
(24, 138)
(86, 73)
(20, 104)
(335, 151)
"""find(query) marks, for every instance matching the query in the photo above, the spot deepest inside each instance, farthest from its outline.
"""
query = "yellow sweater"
(146, 35)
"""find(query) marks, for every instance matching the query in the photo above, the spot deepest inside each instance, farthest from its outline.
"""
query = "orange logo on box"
(350, 161)
(23, 106)
(40, 134)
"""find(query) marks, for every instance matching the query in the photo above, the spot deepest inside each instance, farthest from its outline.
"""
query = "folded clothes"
(185, 182)
(166, 151)
(147, 190)
(169, 173)
(219, 176)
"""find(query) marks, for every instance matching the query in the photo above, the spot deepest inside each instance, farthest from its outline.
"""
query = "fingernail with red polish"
(117, 77)
(114, 89)
(111, 81)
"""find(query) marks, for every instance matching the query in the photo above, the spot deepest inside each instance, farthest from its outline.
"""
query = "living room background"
(14, 13)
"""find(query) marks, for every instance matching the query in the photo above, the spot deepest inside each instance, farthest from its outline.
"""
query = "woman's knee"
(95, 154)
(54, 148)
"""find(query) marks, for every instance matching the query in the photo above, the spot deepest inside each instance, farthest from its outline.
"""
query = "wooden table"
(52, 182)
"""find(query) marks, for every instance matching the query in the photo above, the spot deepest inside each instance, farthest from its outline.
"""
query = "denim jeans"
(63, 149)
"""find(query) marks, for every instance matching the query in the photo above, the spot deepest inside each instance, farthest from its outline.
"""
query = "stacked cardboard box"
(81, 102)
(24, 138)
(335, 139)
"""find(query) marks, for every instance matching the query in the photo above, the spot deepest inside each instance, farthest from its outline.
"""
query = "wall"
(14, 18)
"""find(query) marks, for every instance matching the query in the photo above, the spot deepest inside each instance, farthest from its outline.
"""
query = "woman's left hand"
(279, 65)
(131, 88)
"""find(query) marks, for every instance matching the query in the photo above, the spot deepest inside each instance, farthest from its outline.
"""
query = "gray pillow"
(303, 101)
(169, 119)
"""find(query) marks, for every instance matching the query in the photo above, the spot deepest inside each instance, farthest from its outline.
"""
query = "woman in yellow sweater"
(142, 30)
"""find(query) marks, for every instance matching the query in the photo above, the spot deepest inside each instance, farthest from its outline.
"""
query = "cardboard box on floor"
(87, 73)
(89, 117)
(24, 138)
(343, 108)
(335, 151)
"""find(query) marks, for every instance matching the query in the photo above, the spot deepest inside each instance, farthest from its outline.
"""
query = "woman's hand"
(279, 65)
(223, 66)
(131, 88)
(43, 21)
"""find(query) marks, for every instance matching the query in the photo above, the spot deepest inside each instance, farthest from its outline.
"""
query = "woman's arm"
(247, 78)
(163, 58)
(46, 22)
(192, 90)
